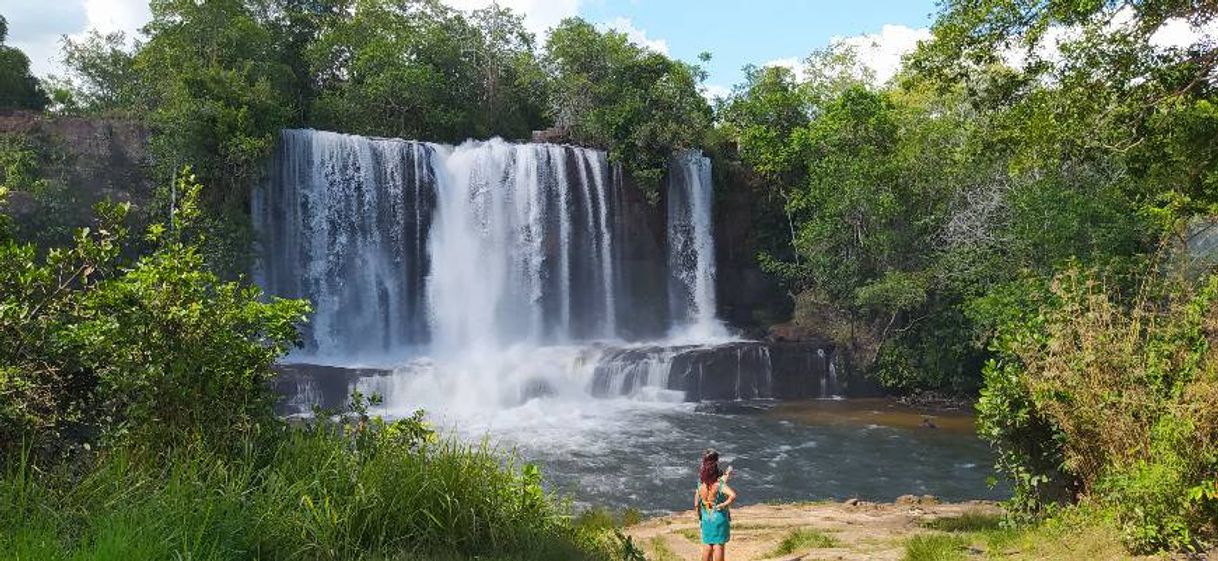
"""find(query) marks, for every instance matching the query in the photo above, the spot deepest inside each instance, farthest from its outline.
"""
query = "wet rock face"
(730, 371)
(761, 370)
(304, 386)
(741, 370)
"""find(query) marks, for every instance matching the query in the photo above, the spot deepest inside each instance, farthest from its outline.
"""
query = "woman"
(712, 499)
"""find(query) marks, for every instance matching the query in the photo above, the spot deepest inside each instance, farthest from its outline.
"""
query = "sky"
(735, 32)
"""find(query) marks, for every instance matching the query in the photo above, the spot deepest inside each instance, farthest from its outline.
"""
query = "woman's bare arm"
(731, 496)
(698, 503)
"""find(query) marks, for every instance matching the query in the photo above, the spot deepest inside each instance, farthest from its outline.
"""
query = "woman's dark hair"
(709, 472)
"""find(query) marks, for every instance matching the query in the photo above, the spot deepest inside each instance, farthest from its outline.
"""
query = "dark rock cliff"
(745, 214)
(80, 161)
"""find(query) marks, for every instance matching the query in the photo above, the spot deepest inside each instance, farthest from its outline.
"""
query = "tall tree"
(19, 89)
(639, 104)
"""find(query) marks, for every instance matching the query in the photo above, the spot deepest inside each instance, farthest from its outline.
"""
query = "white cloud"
(795, 65)
(117, 15)
(882, 52)
(37, 28)
(712, 91)
(636, 35)
(539, 15)
(1178, 33)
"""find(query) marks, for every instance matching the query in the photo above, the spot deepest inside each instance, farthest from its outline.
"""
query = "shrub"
(1115, 398)
(158, 351)
(935, 547)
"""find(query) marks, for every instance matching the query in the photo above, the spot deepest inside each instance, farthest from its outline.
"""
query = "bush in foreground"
(1114, 399)
(347, 489)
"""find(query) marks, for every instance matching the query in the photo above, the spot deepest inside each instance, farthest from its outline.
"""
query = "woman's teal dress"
(716, 524)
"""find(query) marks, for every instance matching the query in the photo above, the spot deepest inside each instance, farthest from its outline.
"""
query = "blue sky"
(740, 32)
(736, 32)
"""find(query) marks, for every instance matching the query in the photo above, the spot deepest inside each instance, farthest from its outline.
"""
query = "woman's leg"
(707, 552)
(718, 549)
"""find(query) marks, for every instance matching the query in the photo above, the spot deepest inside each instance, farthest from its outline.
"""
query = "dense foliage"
(1095, 395)
(155, 352)
(18, 88)
(639, 104)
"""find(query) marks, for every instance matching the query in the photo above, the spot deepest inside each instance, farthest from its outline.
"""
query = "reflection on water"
(622, 453)
(877, 411)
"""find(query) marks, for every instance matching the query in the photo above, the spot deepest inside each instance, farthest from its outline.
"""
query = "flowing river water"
(644, 454)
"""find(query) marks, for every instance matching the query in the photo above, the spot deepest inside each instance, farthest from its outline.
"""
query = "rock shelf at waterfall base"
(737, 370)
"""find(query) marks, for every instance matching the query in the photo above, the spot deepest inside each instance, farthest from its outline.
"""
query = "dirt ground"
(860, 530)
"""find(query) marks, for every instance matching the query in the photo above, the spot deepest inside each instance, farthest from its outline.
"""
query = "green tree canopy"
(19, 89)
(637, 103)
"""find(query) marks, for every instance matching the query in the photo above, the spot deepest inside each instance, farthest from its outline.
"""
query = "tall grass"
(312, 493)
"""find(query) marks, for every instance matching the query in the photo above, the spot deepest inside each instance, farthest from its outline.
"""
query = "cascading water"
(500, 261)
(520, 247)
(343, 223)
(691, 249)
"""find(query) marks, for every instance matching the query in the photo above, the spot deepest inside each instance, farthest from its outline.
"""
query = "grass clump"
(935, 547)
(800, 539)
(967, 522)
(660, 550)
(691, 534)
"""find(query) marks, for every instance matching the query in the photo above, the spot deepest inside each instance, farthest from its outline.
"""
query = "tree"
(218, 95)
(1116, 91)
(19, 89)
(638, 104)
(153, 352)
(403, 69)
(513, 86)
(103, 68)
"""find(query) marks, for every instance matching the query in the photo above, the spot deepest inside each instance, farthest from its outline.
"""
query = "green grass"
(967, 522)
(308, 494)
(691, 534)
(660, 550)
(800, 539)
(935, 547)
(1073, 533)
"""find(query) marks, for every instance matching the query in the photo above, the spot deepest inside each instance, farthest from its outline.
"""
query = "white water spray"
(499, 262)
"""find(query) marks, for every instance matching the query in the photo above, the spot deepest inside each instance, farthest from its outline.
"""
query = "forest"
(1011, 218)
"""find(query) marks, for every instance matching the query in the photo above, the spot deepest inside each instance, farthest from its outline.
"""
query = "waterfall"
(487, 257)
(515, 232)
(691, 249)
(340, 224)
